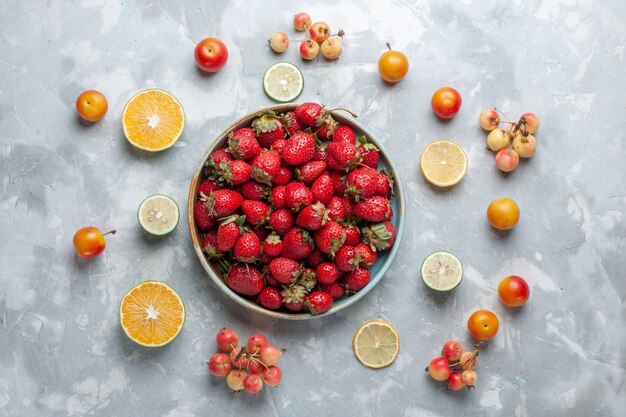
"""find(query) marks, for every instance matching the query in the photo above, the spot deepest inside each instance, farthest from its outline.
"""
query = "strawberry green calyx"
(261, 176)
(233, 147)
(377, 236)
(267, 122)
(308, 279)
(293, 293)
(220, 173)
(336, 243)
(237, 219)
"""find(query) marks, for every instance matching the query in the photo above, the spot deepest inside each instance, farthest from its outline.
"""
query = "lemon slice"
(152, 314)
(283, 82)
(443, 163)
(376, 344)
(158, 214)
(153, 120)
(442, 271)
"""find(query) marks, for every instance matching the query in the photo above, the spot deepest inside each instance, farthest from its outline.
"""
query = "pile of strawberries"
(294, 211)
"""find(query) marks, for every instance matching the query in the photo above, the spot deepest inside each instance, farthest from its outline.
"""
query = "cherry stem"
(346, 110)
(264, 365)
(112, 232)
(389, 46)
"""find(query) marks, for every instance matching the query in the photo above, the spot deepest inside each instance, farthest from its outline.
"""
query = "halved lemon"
(153, 120)
(152, 314)
(443, 163)
(442, 271)
(283, 82)
(376, 344)
(158, 214)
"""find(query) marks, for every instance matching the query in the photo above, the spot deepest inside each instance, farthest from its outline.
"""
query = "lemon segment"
(158, 214)
(283, 82)
(442, 271)
(443, 163)
(376, 344)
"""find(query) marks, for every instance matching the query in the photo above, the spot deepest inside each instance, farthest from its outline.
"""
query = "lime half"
(158, 214)
(442, 271)
(283, 82)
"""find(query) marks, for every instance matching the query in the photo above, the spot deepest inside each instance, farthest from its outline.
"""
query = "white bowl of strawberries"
(296, 211)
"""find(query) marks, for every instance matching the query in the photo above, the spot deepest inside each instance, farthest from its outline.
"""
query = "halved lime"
(158, 214)
(442, 271)
(283, 82)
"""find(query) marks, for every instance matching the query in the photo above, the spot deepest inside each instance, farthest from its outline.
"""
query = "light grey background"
(62, 352)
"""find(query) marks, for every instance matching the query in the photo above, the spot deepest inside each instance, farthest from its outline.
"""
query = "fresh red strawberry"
(293, 124)
(272, 245)
(318, 302)
(327, 273)
(335, 289)
(242, 144)
(374, 209)
(380, 236)
(207, 186)
(248, 248)
(268, 128)
(329, 238)
(279, 145)
(265, 166)
(297, 196)
(325, 125)
(231, 172)
(281, 221)
(339, 183)
(294, 297)
(223, 202)
(270, 298)
(310, 171)
(297, 244)
(336, 210)
(261, 231)
(204, 219)
(228, 232)
(353, 236)
(322, 189)
(285, 270)
(209, 245)
(384, 184)
(369, 152)
(344, 134)
(283, 176)
(368, 256)
(342, 156)
(269, 278)
(347, 258)
(277, 197)
(218, 156)
(356, 280)
(299, 149)
(315, 258)
(308, 279)
(253, 190)
(361, 183)
(307, 113)
(312, 217)
(256, 212)
(265, 260)
(245, 279)
(321, 154)
(348, 204)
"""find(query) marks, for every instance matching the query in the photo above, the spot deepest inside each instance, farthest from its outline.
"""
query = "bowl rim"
(249, 304)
